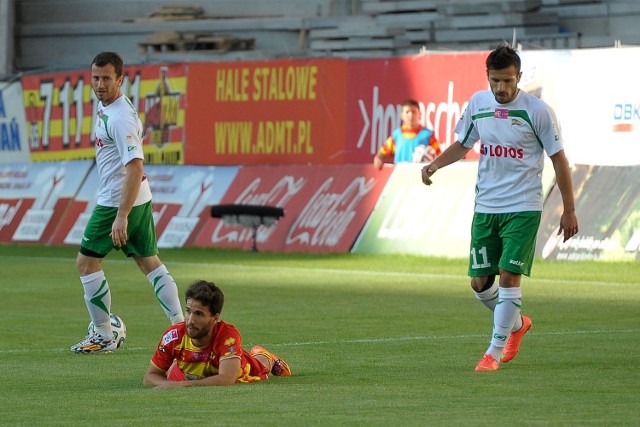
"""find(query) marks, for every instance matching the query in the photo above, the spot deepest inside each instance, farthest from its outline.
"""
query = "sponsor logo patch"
(501, 113)
(172, 335)
(500, 337)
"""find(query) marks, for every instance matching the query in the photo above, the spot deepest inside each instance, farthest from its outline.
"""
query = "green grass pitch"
(371, 340)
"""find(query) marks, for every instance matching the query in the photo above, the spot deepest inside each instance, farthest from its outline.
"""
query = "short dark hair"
(411, 103)
(104, 58)
(206, 293)
(503, 57)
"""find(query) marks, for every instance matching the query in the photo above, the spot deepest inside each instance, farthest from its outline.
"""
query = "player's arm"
(452, 154)
(385, 151)
(568, 220)
(227, 375)
(378, 160)
(131, 187)
(155, 376)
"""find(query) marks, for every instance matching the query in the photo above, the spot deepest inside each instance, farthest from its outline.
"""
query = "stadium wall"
(300, 134)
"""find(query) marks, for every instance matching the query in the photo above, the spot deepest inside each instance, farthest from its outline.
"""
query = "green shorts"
(141, 232)
(506, 241)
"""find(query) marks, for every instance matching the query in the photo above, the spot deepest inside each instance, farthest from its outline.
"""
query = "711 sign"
(58, 107)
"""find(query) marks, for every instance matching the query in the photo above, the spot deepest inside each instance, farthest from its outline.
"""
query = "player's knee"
(482, 283)
(87, 265)
(81, 264)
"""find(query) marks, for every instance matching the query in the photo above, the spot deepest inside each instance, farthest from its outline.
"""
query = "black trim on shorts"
(90, 253)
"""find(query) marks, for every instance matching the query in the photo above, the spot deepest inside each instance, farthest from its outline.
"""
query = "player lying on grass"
(204, 350)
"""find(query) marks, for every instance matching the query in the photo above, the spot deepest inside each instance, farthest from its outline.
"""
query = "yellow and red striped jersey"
(200, 362)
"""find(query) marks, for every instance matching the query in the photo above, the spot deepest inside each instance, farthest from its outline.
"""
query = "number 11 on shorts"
(482, 253)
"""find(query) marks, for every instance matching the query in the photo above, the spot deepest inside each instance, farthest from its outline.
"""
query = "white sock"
(504, 317)
(167, 293)
(97, 297)
(489, 297)
(518, 324)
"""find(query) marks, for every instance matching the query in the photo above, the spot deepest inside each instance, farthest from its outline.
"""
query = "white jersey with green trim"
(118, 133)
(513, 139)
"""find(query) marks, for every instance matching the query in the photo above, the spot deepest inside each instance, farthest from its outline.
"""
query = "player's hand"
(175, 373)
(119, 231)
(427, 171)
(568, 225)
(377, 162)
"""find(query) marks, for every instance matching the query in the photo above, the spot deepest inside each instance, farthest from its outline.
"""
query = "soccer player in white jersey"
(515, 130)
(123, 216)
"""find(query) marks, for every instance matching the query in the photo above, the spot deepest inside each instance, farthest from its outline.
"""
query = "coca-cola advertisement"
(324, 208)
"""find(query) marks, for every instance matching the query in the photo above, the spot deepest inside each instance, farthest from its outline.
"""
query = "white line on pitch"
(368, 340)
(261, 268)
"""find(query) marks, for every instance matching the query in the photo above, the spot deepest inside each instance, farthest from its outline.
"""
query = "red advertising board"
(442, 83)
(270, 112)
(325, 208)
(11, 213)
(60, 110)
(34, 197)
(296, 111)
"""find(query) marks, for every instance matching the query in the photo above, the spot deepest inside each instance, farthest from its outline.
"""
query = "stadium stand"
(54, 35)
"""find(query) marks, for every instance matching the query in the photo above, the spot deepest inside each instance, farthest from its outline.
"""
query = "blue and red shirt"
(404, 140)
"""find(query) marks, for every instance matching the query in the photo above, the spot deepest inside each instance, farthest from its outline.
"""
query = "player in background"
(122, 217)
(515, 129)
(411, 142)
(204, 350)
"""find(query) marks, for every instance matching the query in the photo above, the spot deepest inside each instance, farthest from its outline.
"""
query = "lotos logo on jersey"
(501, 151)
